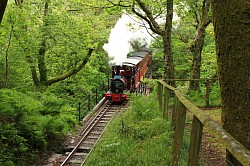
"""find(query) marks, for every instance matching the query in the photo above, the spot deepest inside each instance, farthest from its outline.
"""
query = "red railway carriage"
(127, 77)
(136, 67)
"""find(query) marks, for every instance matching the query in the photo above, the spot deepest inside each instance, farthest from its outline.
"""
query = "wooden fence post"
(79, 111)
(207, 93)
(88, 102)
(159, 90)
(96, 96)
(174, 113)
(166, 101)
(195, 142)
(179, 132)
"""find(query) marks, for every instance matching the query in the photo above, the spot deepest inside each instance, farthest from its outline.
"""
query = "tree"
(194, 13)
(232, 33)
(203, 20)
(43, 80)
(59, 40)
(150, 12)
(3, 4)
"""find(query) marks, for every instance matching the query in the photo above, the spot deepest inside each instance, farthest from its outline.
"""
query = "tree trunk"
(232, 34)
(7, 58)
(196, 50)
(164, 33)
(198, 42)
(168, 60)
(167, 39)
(42, 50)
(3, 4)
(43, 81)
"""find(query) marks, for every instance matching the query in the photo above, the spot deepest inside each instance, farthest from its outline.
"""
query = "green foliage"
(214, 96)
(27, 125)
(157, 58)
(18, 69)
(181, 58)
(209, 62)
(182, 37)
(13, 147)
(142, 110)
(69, 29)
(198, 97)
(31, 122)
(40, 120)
(183, 33)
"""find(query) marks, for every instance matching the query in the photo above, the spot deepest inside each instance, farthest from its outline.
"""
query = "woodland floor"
(212, 153)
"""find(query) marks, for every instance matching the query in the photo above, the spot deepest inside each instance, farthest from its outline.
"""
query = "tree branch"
(119, 4)
(33, 70)
(19, 2)
(169, 16)
(149, 18)
(6, 56)
(71, 72)
(197, 15)
(142, 24)
(208, 22)
(205, 20)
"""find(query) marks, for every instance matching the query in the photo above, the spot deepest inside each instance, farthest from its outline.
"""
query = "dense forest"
(52, 57)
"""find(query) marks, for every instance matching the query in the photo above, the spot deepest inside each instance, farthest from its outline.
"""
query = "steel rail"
(103, 111)
(124, 104)
(86, 131)
(92, 122)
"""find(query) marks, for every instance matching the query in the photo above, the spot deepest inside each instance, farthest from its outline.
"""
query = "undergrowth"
(31, 123)
(139, 136)
(199, 99)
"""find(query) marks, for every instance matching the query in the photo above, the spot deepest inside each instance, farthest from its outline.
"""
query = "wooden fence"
(207, 85)
(200, 120)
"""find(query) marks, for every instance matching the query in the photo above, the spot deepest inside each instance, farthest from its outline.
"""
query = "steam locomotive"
(127, 76)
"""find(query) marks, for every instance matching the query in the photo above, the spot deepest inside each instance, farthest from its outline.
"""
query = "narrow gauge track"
(91, 134)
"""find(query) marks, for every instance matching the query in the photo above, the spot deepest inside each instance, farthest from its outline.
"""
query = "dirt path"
(212, 153)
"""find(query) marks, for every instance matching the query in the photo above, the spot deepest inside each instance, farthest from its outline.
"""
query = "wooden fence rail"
(200, 120)
(207, 84)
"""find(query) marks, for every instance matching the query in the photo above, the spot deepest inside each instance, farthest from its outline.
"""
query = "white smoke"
(118, 45)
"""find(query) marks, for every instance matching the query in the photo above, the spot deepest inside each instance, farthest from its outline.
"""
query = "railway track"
(91, 134)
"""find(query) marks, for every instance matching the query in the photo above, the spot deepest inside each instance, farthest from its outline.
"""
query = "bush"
(198, 97)
(31, 123)
(215, 98)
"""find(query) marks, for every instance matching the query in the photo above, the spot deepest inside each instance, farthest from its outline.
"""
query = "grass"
(137, 137)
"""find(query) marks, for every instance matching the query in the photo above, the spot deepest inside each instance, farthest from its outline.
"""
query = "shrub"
(31, 122)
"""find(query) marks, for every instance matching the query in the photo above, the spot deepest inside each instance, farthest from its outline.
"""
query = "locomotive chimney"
(118, 70)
